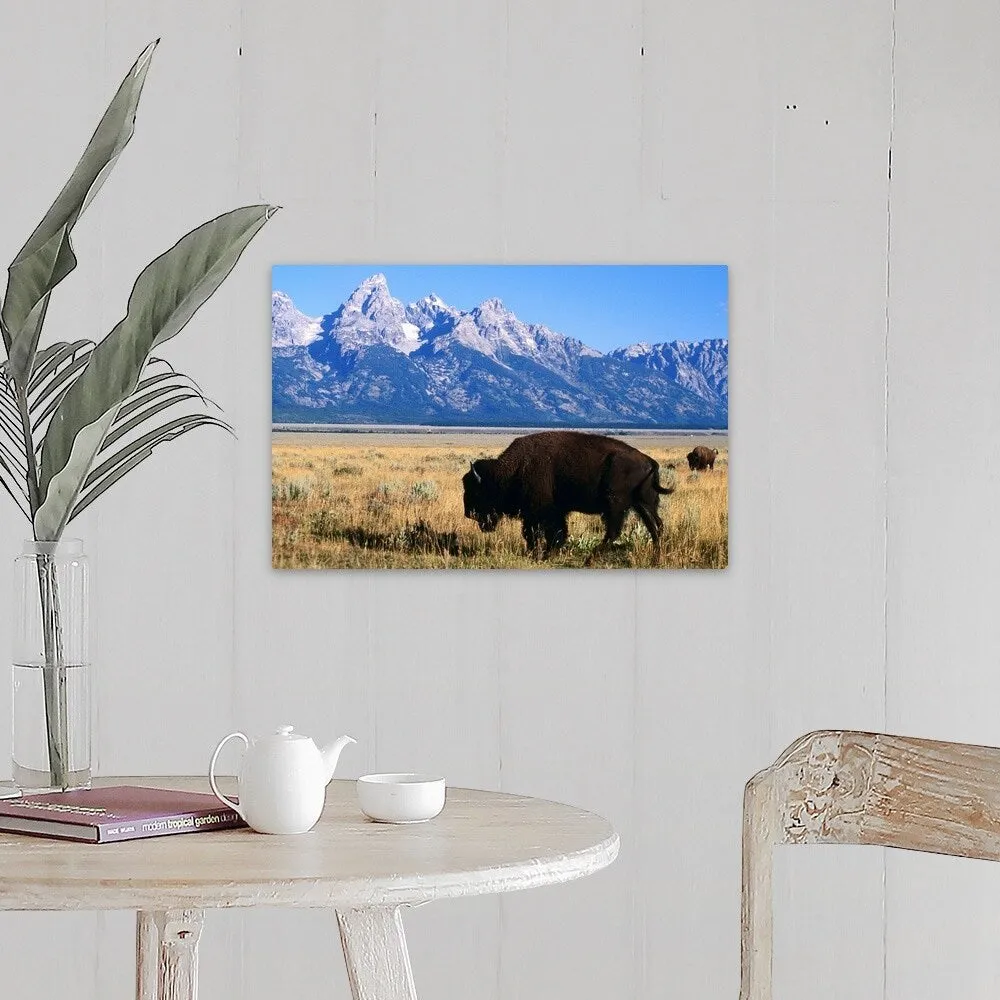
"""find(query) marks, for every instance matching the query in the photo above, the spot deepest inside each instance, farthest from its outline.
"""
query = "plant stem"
(54, 670)
(54, 673)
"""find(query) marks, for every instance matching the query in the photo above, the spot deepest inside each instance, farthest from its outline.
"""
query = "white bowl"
(401, 798)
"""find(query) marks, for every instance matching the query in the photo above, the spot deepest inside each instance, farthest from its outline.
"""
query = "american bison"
(541, 477)
(702, 458)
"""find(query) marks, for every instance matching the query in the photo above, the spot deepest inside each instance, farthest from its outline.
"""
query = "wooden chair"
(836, 787)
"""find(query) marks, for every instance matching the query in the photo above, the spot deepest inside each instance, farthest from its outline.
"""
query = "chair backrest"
(838, 787)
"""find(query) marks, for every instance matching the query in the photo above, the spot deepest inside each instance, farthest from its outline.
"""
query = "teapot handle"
(211, 775)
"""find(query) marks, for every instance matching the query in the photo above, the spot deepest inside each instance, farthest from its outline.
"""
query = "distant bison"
(541, 477)
(702, 458)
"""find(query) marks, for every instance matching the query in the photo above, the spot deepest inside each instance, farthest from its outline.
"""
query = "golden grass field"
(380, 500)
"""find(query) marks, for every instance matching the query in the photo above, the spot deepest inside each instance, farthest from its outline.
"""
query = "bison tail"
(658, 486)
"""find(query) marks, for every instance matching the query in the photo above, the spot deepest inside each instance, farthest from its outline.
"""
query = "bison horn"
(479, 478)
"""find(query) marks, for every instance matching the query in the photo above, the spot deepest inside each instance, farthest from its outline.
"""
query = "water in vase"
(29, 748)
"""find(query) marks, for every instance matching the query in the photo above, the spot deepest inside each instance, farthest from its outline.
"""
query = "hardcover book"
(119, 812)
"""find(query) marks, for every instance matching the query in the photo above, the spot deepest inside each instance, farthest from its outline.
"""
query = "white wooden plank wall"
(944, 543)
(863, 532)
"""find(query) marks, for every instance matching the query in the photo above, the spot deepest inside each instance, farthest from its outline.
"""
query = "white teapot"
(283, 779)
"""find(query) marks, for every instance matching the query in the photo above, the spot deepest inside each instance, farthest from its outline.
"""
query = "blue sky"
(605, 306)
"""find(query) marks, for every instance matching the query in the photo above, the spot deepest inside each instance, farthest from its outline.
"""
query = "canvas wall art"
(500, 417)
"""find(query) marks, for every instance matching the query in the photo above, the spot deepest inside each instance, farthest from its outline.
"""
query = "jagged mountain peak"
(432, 314)
(371, 295)
(491, 305)
(495, 313)
(289, 326)
(371, 317)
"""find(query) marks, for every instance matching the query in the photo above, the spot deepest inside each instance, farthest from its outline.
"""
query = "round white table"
(483, 842)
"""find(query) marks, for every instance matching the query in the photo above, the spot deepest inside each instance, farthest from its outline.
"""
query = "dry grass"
(395, 501)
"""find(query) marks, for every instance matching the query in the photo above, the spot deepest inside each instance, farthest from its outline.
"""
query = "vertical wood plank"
(827, 472)
(703, 642)
(570, 159)
(944, 453)
(170, 564)
(378, 966)
(944, 635)
(807, 549)
(52, 76)
(51, 59)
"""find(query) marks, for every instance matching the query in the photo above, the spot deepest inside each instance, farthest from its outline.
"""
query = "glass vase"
(51, 738)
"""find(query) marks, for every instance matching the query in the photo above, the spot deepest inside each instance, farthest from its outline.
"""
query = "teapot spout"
(331, 754)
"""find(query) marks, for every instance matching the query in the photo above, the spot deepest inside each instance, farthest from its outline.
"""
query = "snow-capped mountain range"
(376, 359)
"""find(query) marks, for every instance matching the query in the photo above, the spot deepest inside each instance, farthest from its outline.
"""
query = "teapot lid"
(284, 734)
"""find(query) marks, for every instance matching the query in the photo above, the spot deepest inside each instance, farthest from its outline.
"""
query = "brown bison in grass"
(541, 477)
(702, 458)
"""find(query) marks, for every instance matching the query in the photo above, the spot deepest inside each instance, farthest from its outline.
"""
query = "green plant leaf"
(175, 383)
(178, 378)
(136, 452)
(122, 427)
(13, 469)
(165, 296)
(47, 361)
(57, 382)
(7, 481)
(48, 255)
(51, 377)
(10, 418)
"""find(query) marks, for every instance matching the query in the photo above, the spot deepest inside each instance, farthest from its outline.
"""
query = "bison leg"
(651, 518)
(534, 537)
(614, 521)
(556, 529)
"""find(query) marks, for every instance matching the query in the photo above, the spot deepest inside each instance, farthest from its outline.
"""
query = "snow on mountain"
(431, 312)
(491, 329)
(289, 327)
(376, 359)
(371, 317)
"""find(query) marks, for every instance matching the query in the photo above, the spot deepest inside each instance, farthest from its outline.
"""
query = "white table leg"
(167, 954)
(378, 965)
(147, 955)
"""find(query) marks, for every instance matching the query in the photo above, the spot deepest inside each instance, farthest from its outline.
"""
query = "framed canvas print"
(500, 417)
